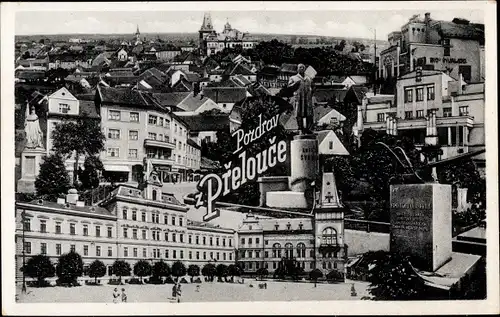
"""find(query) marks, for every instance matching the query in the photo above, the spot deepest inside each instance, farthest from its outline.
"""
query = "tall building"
(130, 225)
(211, 42)
(455, 47)
(430, 107)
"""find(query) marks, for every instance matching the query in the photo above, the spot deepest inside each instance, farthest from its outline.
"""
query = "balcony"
(465, 120)
(158, 144)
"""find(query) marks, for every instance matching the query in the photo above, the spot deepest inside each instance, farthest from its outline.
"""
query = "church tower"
(137, 36)
(206, 28)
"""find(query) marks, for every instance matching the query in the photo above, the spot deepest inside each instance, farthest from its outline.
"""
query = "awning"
(116, 168)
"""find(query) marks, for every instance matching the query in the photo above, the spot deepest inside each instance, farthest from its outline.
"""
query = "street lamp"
(23, 289)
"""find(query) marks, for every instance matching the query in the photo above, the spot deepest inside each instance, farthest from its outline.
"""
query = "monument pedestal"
(30, 167)
(304, 161)
(421, 223)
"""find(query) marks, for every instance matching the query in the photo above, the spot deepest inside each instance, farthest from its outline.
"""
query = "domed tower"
(227, 27)
(206, 29)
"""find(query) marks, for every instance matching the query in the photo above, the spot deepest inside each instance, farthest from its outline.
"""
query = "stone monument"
(421, 222)
(33, 152)
(303, 151)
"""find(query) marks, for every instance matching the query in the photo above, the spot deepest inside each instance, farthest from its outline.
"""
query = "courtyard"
(208, 292)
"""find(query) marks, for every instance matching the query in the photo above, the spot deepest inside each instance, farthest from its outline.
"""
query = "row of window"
(72, 228)
(172, 237)
(447, 112)
(419, 91)
(72, 248)
(155, 217)
(156, 254)
(258, 265)
(276, 253)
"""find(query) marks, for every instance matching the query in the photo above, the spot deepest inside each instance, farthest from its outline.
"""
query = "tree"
(221, 271)
(142, 268)
(97, 269)
(80, 137)
(69, 267)
(121, 268)
(209, 271)
(193, 270)
(315, 275)
(90, 175)
(53, 179)
(393, 278)
(161, 269)
(233, 270)
(178, 269)
(262, 272)
(39, 267)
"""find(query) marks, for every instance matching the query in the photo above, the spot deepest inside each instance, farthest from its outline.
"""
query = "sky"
(345, 23)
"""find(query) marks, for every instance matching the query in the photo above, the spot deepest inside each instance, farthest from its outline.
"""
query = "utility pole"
(375, 63)
(23, 290)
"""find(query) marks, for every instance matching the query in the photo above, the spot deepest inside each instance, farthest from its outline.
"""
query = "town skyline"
(301, 23)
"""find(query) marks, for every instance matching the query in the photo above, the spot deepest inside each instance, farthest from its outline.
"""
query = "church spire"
(137, 32)
(207, 22)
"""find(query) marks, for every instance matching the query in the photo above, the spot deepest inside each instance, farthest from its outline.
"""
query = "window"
(134, 233)
(132, 153)
(197, 239)
(420, 94)
(86, 250)
(330, 145)
(97, 251)
(144, 252)
(160, 121)
(230, 256)
(27, 224)
(204, 255)
(446, 112)
(97, 231)
(180, 221)
(144, 235)
(113, 152)
(380, 117)
(463, 110)
(27, 247)
(211, 241)
(301, 250)
(217, 241)
(329, 236)
(72, 230)
(43, 226)
(134, 252)
(134, 215)
(288, 250)
(110, 251)
(72, 248)
(43, 248)
(152, 120)
(133, 135)
(152, 136)
(125, 232)
(174, 254)
(182, 254)
(276, 250)
(173, 220)
(110, 232)
(174, 237)
(242, 241)
(144, 216)
(166, 254)
(114, 115)
(125, 252)
(408, 95)
(125, 213)
(420, 113)
(58, 227)
(430, 112)
(166, 236)
(430, 93)
(190, 239)
(113, 134)
(204, 240)
(58, 249)
(181, 238)
(134, 117)
(64, 108)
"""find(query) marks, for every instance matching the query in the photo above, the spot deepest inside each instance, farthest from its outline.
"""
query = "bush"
(134, 280)
(335, 276)
(114, 281)
(43, 283)
(169, 280)
(67, 283)
(154, 280)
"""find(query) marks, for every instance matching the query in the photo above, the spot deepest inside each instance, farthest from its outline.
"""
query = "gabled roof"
(86, 209)
(128, 97)
(191, 103)
(204, 122)
(182, 85)
(462, 31)
(240, 69)
(321, 111)
(359, 80)
(338, 147)
(191, 77)
(225, 94)
(241, 80)
(358, 92)
(329, 95)
(170, 99)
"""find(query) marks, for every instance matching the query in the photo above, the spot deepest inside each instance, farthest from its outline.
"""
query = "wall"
(359, 242)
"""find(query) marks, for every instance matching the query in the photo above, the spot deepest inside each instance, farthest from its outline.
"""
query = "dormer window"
(64, 108)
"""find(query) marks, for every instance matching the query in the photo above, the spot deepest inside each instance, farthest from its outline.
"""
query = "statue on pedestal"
(301, 84)
(34, 135)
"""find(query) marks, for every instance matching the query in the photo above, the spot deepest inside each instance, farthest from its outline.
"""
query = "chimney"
(72, 196)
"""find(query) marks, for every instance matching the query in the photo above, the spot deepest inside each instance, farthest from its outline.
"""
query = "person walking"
(124, 296)
(179, 292)
(116, 295)
(174, 291)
